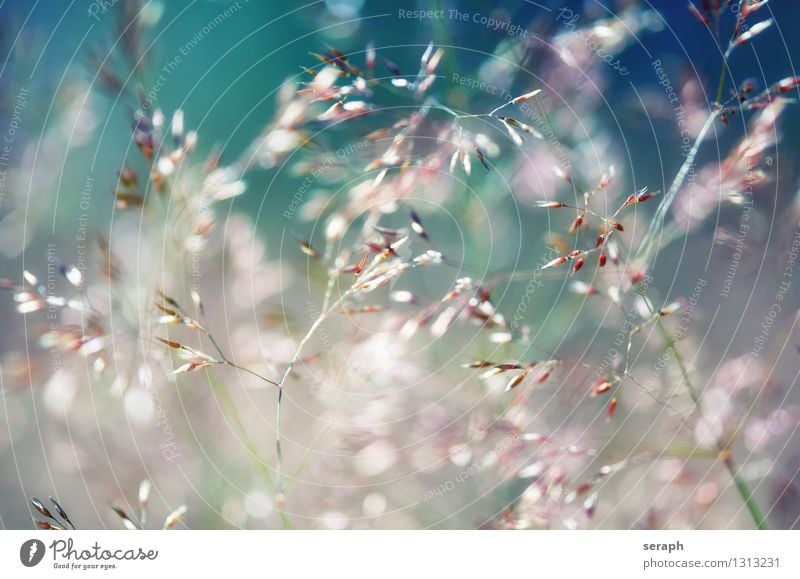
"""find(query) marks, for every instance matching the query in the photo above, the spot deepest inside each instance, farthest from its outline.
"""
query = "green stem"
(232, 414)
(721, 83)
(648, 244)
(724, 452)
(746, 494)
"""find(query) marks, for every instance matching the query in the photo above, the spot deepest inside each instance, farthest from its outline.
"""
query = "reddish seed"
(514, 382)
(753, 6)
(370, 56)
(618, 227)
(526, 96)
(787, 84)
(170, 343)
(582, 288)
(697, 14)
(637, 277)
(602, 387)
(478, 364)
(753, 31)
(128, 177)
(361, 264)
(601, 260)
(555, 262)
(612, 408)
(669, 309)
(505, 367)
(578, 265)
(308, 249)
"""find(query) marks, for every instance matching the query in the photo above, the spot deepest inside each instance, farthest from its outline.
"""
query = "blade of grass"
(232, 414)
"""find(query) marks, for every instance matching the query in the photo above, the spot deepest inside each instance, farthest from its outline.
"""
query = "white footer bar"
(406, 554)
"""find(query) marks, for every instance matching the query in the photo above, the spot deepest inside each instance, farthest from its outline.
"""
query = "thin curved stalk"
(229, 408)
(649, 243)
(724, 452)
